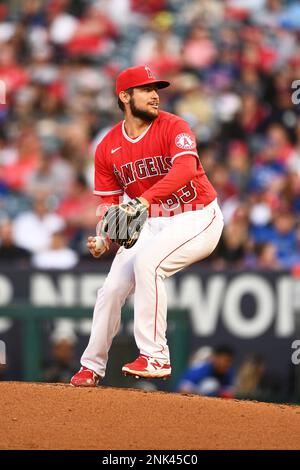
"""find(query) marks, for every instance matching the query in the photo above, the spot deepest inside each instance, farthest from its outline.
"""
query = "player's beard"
(146, 116)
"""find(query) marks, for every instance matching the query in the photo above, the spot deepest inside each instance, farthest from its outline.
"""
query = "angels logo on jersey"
(185, 141)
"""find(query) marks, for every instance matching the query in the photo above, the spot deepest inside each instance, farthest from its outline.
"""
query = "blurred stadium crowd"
(231, 63)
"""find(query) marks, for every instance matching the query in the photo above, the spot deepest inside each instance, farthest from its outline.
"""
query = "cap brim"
(163, 84)
(160, 83)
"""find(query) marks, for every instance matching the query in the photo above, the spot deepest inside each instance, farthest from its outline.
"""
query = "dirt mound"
(42, 416)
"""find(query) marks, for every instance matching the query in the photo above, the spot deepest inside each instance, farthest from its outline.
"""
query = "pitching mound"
(42, 416)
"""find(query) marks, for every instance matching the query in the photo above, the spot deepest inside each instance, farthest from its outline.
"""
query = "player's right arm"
(185, 161)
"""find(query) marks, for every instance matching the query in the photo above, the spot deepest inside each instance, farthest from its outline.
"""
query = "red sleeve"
(184, 170)
(105, 202)
(114, 199)
(182, 140)
(106, 183)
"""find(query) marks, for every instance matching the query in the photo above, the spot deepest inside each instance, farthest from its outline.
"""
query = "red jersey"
(133, 166)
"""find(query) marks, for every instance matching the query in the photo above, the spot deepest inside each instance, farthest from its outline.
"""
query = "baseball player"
(171, 220)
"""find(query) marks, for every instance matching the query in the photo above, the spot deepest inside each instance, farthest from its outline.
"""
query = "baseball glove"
(123, 223)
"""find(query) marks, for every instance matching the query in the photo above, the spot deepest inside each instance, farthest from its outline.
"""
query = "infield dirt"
(43, 416)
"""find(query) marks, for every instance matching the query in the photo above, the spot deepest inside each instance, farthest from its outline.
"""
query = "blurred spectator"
(20, 162)
(79, 209)
(150, 7)
(79, 206)
(33, 230)
(266, 256)
(211, 377)
(238, 165)
(269, 15)
(221, 181)
(199, 51)
(252, 381)
(195, 105)
(200, 355)
(283, 235)
(58, 256)
(232, 248)
(61, 364)
(53, 176)
(267, 170)
(278, 138)
(9, 251)
(62, 24)
(14, 75)
(159, 47)
(92, 35)
(209, 12)
(249, 377)
(290, 17)
(290, 194)
(251, 116)
(119, 11)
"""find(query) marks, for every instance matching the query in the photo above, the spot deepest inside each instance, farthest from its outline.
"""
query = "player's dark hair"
(120, 103)
(224, 349)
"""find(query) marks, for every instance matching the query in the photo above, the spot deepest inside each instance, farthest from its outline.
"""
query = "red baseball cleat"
(148, 367)
(85, 378)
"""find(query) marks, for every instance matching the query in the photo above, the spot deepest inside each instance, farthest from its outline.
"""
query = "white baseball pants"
(166, 245)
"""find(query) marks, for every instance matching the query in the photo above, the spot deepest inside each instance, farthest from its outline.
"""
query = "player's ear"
(124, 97)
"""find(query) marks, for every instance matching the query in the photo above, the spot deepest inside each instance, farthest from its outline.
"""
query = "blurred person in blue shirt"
(213, 377)
(283, 234)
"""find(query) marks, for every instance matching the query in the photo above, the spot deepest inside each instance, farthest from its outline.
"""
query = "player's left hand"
(144, 201)
(123, 223)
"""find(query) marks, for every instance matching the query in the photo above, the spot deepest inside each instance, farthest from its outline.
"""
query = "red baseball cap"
(137, 76)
